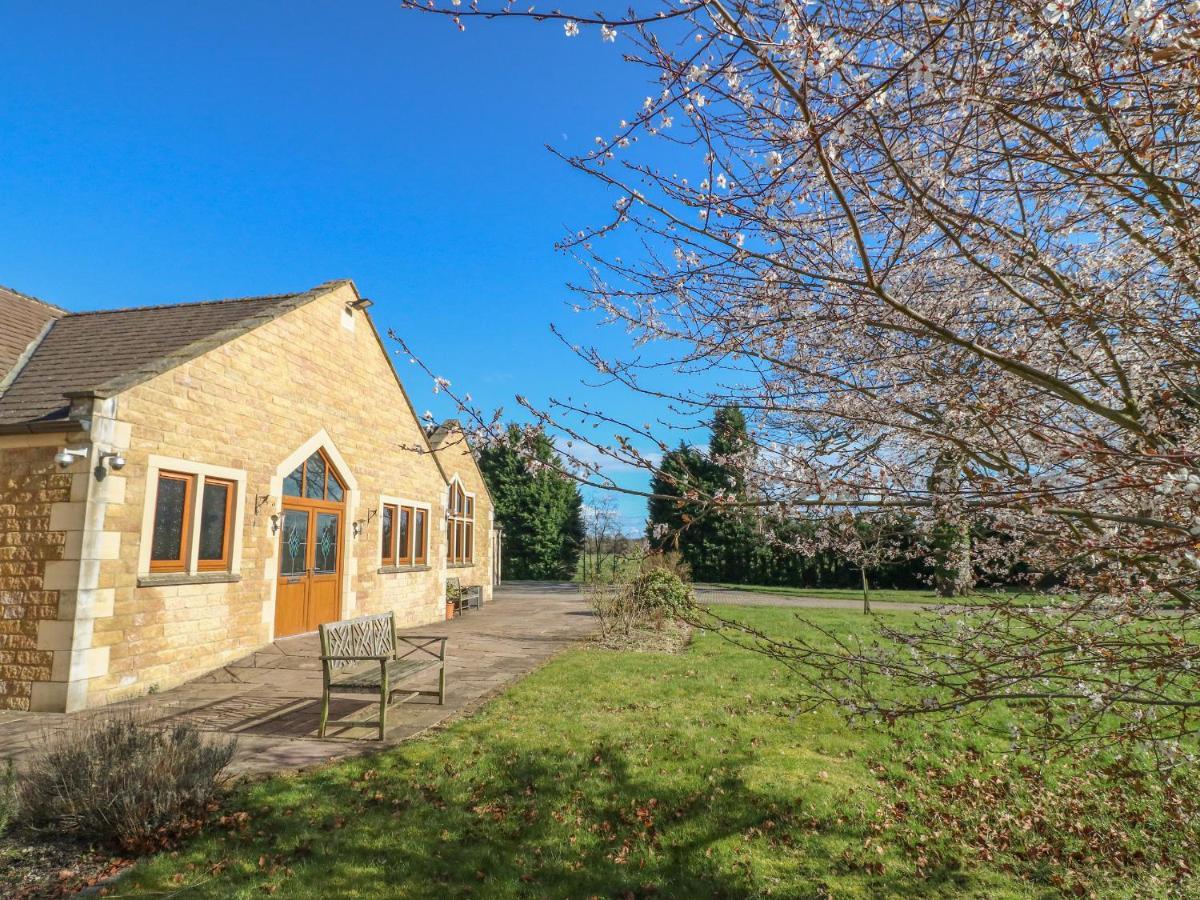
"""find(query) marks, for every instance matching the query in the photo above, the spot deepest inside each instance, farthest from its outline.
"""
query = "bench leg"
(442, 684)
(324, 712)
(384, 696)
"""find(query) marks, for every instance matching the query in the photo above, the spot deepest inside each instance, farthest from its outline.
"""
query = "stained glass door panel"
(325, 548)
(293, 554)
(292, 590)
(324, 589)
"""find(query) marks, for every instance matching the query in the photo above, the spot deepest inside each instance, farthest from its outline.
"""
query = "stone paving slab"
(271, 698)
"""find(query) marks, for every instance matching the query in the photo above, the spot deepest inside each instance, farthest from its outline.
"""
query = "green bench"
(366, 656)
(463, 598)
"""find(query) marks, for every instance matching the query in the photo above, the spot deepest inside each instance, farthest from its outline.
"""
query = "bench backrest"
(364, 636)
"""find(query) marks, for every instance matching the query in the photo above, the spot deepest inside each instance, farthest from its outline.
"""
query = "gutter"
(78, 417)
(46, 427)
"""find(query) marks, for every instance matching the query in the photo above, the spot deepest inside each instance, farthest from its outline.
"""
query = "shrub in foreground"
(651, 598)
(120, 780)
(660, 595)
(8, 795)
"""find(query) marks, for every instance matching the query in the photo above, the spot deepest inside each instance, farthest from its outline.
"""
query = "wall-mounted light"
(358, 525)
(274, 523)
(115, 460)
(68, 455)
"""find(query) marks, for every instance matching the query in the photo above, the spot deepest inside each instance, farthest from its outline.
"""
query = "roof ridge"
(24, 296)
(185, 331)
(257, 298)
(160, 364)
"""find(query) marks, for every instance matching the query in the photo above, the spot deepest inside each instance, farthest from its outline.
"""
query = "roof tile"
(109, 350)
(22, 319)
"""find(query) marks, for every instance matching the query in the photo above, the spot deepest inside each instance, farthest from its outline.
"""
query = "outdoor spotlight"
(116, 461)
(68, 455)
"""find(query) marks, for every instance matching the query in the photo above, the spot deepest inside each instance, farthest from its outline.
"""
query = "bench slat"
(366, 677)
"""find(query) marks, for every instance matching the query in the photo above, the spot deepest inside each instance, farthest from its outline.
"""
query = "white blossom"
(1057, 10)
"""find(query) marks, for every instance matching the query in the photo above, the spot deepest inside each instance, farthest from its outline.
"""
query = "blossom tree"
(867, 541)
(945, 256)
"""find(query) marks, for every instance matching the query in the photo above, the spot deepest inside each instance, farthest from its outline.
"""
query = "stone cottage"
(182, 484)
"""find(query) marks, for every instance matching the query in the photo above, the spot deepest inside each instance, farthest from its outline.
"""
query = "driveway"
(710, 594)
(271, 698)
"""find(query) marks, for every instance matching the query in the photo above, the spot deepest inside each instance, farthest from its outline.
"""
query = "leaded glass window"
(182, 532)
(215, 520)
(169, 543)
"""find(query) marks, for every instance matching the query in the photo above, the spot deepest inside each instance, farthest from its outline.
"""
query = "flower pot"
(449, 609)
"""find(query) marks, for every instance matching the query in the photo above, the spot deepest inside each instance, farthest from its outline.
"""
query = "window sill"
(395, 570)
(466, 565)
(167, 579)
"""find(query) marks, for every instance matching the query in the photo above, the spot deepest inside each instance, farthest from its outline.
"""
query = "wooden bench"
(359, 656)
(469, 597)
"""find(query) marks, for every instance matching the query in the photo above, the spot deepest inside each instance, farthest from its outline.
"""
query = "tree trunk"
(866, 592)
(954, 577)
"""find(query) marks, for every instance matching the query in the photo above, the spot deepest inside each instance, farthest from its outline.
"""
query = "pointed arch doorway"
(309, 590)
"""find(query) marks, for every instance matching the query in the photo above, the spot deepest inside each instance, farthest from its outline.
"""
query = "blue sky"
(155, 152)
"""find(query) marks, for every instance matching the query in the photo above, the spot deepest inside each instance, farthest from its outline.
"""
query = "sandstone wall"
(314, 377)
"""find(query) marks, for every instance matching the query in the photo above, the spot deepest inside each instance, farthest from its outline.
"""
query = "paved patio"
(271, 698)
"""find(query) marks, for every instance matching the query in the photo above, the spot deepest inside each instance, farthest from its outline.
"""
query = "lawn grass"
(897, 595)
(602, 774)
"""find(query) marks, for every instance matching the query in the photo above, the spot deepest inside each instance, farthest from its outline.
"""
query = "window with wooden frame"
(405, 553)
(314, 479)
(172, 513)
(420, 536)
(175, 515)
(405, 534)
(460, 526)
(388, 527)
(216, 525)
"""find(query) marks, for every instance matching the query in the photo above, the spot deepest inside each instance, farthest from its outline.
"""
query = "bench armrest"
(421, 642)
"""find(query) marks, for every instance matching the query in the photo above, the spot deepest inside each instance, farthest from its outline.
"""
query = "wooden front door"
(309, 590)
(310, 571)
